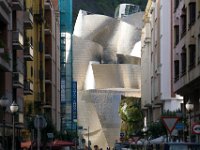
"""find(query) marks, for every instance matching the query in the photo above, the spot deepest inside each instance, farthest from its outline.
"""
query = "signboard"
(170, 122)
(179, 126)
(196, 128)
(63, 90)
(50, 135)
(74, 104)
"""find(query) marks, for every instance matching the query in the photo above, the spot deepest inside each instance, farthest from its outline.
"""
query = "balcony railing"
(18, 40)
(17, 4)
(28, 53)
(28, 20)
(18, 79)
(5, 6)
(28, 87)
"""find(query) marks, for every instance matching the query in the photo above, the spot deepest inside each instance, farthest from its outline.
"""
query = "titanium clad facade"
(106, 65)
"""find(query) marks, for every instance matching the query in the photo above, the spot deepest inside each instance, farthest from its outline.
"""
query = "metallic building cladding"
(66, 63)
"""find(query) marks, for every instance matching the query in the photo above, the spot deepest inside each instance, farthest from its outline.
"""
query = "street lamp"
(4, 103)
(88, 138)
(88, 135)
(13, 108)
(189, 106)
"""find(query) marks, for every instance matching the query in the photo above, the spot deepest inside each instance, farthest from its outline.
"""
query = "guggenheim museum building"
(106, 65)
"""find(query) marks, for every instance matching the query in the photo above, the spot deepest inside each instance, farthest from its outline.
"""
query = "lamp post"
(189, 106)
(88, 135)
(13, 108)
(4, 103)
(88, 138)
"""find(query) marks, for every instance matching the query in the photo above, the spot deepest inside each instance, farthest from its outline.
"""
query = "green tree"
(131, 115)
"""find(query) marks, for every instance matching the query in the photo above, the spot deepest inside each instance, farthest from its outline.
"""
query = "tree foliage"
(131, 115)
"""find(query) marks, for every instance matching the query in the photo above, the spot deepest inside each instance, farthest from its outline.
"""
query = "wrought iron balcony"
(18, 40)
(28, 87)
(17, 4)
(28, 20)
(18, 79)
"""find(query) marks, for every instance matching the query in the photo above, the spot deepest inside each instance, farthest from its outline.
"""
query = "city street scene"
(99, 74)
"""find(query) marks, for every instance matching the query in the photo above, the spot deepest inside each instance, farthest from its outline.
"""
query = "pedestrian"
(96, 147)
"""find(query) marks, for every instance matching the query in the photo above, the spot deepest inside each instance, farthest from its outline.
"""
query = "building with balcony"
(186, 52)
(27, 46)
(41, 60)
(52, 62)
(157, 87)
(11, 65)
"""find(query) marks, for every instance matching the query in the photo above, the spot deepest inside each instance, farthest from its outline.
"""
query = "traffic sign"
(170, 122)
(50, 135)
(40, 122)
(196, 128)
(179, 126)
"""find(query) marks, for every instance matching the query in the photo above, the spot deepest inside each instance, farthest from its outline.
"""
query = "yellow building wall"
(38, 62)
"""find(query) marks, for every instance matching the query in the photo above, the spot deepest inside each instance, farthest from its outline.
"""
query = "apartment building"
(29, 62)
(157, 94)
(42, 62)
(52, 62)
(186, 51)
(11, 65)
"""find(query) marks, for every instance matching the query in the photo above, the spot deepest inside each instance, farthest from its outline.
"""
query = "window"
(183, 61)
(176, 3)
(192, 51)
(31, 71)
(192, 13)
(183, 21)
(198, 49)
(176, 70)
(176, 35)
